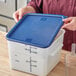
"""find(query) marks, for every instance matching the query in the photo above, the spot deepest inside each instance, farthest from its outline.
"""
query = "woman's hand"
(70, 23)
(20, 12)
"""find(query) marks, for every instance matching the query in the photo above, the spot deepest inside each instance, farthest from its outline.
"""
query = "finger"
(67, 19)
(20, 15)
(68, 26)
(15, 16)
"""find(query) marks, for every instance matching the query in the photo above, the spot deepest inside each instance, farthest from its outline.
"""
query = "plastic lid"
(36, 29)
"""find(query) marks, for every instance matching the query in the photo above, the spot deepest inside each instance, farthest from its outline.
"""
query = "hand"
(70, 23)
(20, 12)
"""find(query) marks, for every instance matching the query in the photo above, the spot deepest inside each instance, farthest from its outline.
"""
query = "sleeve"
(37, 5)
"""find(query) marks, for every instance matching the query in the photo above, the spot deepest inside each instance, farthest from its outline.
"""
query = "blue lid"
(36, 29)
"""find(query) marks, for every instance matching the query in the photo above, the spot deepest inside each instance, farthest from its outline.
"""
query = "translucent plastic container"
(35, 60)
(33, 43)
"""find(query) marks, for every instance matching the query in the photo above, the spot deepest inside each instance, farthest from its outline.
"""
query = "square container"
(34, 45)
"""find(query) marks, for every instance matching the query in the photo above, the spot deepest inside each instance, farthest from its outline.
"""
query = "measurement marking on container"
(30, 50)
(31, 63)
(34, 52)
(17, 60)
(15, 55)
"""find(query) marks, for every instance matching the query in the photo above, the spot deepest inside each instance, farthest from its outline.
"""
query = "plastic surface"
(36, 29)
(35, 60)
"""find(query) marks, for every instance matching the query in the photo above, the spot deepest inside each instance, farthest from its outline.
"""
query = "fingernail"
(19, 18)
(62, 27)
(63, 19)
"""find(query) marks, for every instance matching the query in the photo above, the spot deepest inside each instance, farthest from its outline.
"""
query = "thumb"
(67, 19)
(20, 15)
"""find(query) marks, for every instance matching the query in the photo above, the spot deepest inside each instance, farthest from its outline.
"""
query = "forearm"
(30, 9)
(36, 5)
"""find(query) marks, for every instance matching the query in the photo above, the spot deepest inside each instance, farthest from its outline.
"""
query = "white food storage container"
(35, 60)
(33, 46)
